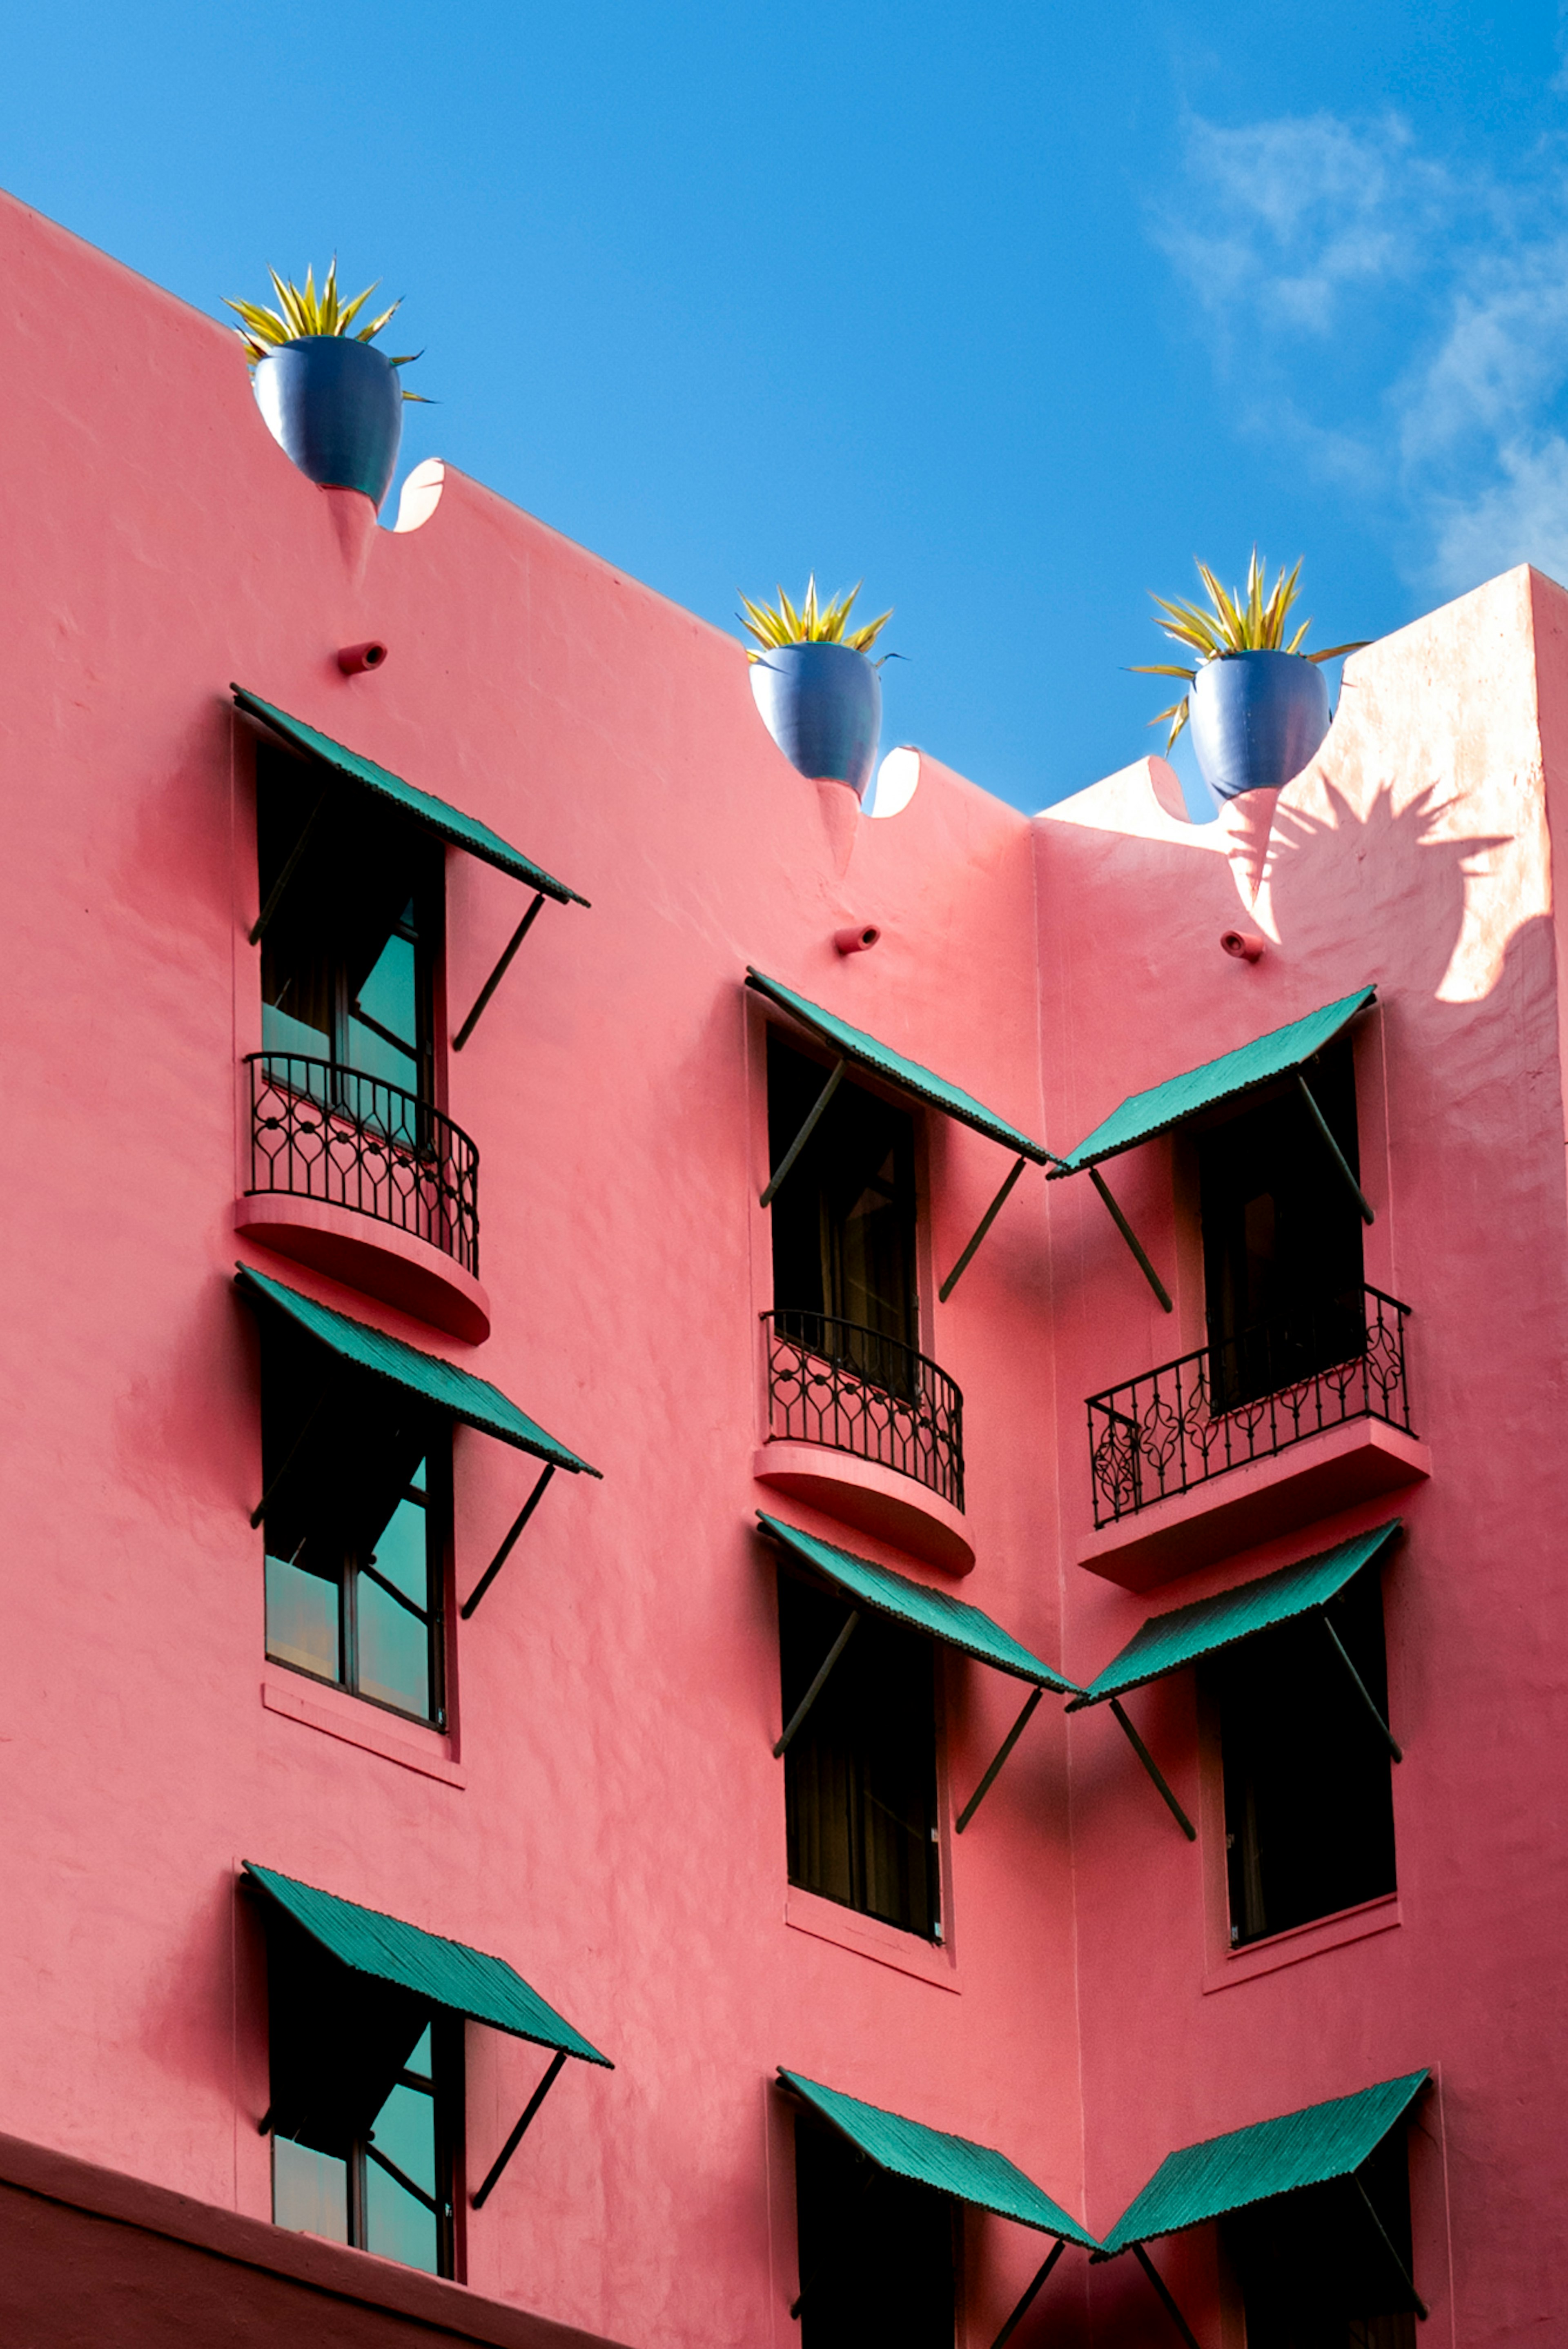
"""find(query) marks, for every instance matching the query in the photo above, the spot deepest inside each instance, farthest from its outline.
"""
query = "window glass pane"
(309, 2190)
(394, 1653)
(400, 1551)
(302, 1619)
(396, 2225)
(383, 1023)
(282, 1032)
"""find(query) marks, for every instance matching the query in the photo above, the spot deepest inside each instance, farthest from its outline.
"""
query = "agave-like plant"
(1240, 621)
(812, 624)
(301, 311)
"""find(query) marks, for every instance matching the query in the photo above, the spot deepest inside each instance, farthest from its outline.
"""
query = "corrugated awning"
(447, 1974)
(952, 2165)
(458, 1393)
(854, 1044)
(953, 1620)
(1143, 1115)
(1168, 1642)
(1251, 2165)
(437, 815)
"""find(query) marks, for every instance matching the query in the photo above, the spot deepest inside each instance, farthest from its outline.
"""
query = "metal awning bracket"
(986, 1221)
(1362, 1689)
(777, 1178)
(1025, 2306)
(1127, 1233)
(1003, 1750)
(1406, 2278)
(498, 974)
(1155, 1772)
(1335, 1152)
(515, 2139)
(504, 1552)
(1163, 2288)
(815, 1691)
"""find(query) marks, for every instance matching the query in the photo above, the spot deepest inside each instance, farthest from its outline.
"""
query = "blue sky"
(1011, 310)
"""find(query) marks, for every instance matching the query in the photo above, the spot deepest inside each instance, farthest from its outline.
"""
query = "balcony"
(865, 1427)
(332, 1150)
(1300, 1417)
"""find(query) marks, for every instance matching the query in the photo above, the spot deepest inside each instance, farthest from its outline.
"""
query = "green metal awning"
(437, 815)
(1143, 1115)
(448, 1974)
(952, 2165)
(1168, 1642)
(1251, 2165)
(854, 1044)
(953, 1620)
(471, 1399)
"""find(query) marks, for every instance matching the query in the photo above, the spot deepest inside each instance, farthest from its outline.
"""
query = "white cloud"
(1442, 300)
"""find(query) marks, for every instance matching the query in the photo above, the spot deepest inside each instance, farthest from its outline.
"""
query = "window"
(860, 1775)
(366, 2106)
(349, 955)
(875, 2251)
(1309, 1806)
(1315, 2270)
(356, 1474)
(1281, 1238)
(844, 1223)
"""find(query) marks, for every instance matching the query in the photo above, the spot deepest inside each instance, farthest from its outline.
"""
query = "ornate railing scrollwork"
(854, 1390)
(1256, 1394)
(321, 1131)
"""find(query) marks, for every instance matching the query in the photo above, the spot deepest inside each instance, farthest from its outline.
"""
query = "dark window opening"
(860, 1773)
(1281, 1238)
(367, 2096)
(877, 2253)
(1309, 1800)
(1314, 2272)
(349, 955)
(844, 1223)
(357, 1479)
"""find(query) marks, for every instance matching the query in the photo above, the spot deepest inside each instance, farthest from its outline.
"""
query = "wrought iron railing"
(854, 1390)
(321, 1131)
(1256, 1394)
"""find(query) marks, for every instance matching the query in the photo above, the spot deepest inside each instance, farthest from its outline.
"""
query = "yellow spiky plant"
(1239, 620)
(812, 624)
(302, 311)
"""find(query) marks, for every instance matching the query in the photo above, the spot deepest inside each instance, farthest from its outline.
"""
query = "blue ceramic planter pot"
(337, 406)
(823, 706)
(1256, 719)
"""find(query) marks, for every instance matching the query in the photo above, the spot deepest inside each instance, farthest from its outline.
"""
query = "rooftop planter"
(819, 695)
(1258, 706)
(329, 399)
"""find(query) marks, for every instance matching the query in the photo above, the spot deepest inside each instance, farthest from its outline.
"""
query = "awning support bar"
(497, 975)
(1003, 1750)
(986, 1221)
(436, 2209)
(1335, 1152)
(504, 1552)
(258, 1515)
(1155, 1772)
(1361, 1688)
(1021, 2310)
(515, 2139)
(777, 1178)
(1171, 2310)
(274, 893)
(815, 1691)
(1406, 2278)
(1125, 1229)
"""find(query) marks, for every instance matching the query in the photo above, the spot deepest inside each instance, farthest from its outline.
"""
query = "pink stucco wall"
(606, 1813)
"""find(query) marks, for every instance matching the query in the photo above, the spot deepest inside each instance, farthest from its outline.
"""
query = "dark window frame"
(1248, 1691)
(840, 2192)
(818, 1614)
(298, 1460)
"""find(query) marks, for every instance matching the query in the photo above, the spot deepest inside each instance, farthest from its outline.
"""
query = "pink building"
(408, 1636)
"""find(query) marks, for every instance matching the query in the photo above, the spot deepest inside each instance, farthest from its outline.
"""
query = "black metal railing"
(854, 1390)
(321, 1131)
(1255, 1395)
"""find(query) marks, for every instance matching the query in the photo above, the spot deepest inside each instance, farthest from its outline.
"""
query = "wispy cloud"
(1425, 306)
